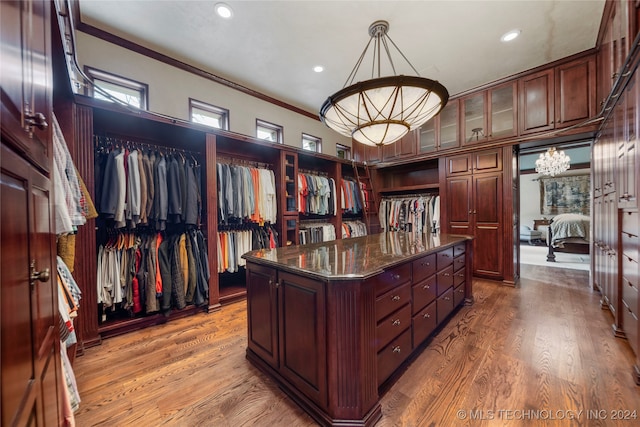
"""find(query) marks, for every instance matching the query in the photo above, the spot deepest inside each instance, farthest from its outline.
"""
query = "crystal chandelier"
(552, 162)
(382, 110)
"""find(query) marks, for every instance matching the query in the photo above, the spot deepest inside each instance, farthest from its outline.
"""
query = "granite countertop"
(354, 258)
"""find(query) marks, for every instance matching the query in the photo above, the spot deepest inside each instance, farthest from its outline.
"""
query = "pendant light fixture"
(382, 110)
(552, 162)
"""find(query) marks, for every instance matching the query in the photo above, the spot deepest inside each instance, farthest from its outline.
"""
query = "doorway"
(542, 198)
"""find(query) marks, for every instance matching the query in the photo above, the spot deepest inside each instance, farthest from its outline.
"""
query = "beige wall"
(170, 89)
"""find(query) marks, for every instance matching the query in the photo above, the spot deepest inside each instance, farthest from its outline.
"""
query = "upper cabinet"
(575, 92)
(441, 132)
(405, 147)
(26, 79)
(536, 102)
(558, 97)
(489, 115)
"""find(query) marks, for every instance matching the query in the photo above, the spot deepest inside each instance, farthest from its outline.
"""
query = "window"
(208, 114)
(269, 131)
(126, 90)
(343, 152)
(311, 143)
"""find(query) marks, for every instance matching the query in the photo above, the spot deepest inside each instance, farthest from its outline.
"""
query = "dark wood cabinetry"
(405, 147)
(475, 204)
(575, 92)
(31, 368)
(441, 132)
(559, 97)
(536, 109)
(334, 338)
(490, 114)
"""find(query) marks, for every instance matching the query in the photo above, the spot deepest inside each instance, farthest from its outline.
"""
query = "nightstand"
(539, 222)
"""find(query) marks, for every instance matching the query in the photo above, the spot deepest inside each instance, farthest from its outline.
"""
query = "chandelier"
(552, 162)
(382, 110)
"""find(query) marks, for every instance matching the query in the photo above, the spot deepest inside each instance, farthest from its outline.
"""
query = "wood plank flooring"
(536, 355)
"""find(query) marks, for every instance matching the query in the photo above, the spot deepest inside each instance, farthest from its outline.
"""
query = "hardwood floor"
(537, 354)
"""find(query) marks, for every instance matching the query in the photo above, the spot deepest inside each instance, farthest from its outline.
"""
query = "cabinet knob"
(42, 276)
(396, 322)
(426, 315)
(426, 287)
(35, 120)
(396, 349)
(396, 277)
(395, 298)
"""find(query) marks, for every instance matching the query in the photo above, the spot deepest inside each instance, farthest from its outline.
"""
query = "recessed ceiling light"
(318, 68)
(511, 35)
(224, 11)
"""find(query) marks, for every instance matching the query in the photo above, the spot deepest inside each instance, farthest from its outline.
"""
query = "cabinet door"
(427, 137)
(487, 161)
(26, 77)
(487, 220)
(503, 118)
(373, 153)
(459, 208)
(474, 118)
(262, 315)
(302, 335)
(458, 165)
(536, 93)
(30, 335)
(449, 130)
(627, 152)
(575, 92)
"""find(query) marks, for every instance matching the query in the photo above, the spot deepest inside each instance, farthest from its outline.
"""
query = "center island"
(335, 323)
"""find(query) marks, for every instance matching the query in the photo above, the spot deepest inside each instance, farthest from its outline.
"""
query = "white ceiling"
(272, 46)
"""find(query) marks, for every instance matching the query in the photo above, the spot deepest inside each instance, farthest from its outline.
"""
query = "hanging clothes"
(414, 213)
(316, 194)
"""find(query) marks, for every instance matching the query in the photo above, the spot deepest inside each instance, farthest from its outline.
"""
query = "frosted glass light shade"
(381, 111)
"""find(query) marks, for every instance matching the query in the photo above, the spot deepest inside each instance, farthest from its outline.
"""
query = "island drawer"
(392, 355)
(392, 300)
(458, 262)
(459, 249)
(392, 277)
(424, 323)
(458, 295)
(444, 258)
(444, 305)
(444, 279)
(391, 326)
(423, 293)
(424, 267)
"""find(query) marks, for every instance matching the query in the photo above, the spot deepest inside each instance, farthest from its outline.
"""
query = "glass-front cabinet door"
(449, 129)
(474, 121)
(427, 141)
(502, 111)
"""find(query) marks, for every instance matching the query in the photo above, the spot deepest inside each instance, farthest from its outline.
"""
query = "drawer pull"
(396, 322)
(395, 298)
(426, 315)
(396, 349)
(425, 264)
(426, 287)
(447, 298)
(396, 276)
(446, 274)
(444, 255)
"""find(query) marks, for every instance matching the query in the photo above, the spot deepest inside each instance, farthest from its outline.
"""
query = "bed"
(568, 233)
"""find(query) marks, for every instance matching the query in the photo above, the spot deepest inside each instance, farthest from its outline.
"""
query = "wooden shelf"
(435, 186)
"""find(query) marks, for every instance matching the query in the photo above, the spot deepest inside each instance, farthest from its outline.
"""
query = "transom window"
(208, 114)
(126, 90)
(311, 143)
(343, 152)
(269, 131)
